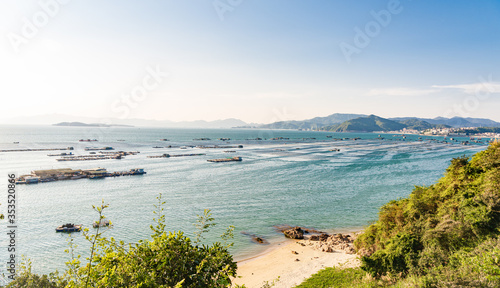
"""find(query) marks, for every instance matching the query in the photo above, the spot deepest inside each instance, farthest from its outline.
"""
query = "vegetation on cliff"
(420, 125)
(445, 234)
(367, 124)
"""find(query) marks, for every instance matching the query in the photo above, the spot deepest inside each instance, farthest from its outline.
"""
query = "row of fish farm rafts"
(38, 176)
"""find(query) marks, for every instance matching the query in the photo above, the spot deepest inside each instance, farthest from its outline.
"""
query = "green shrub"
(169, 259)
(25, 278)
(479, 267)
(399, 256)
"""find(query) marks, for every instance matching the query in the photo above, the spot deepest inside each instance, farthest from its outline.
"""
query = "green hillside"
(367, 124)
(444, 235)
(420, 125)
(291, 125)
(314, 123)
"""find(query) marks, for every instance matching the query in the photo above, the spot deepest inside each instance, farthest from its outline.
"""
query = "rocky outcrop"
(294, 233)
(321, 237)
(319, 240)
(282, 228)
(332, 243)
(255, 238)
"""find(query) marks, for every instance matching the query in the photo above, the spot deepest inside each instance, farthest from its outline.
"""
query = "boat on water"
(101, 223)
(31, 180)
(96, 176)
(69, 228)
(137, 171)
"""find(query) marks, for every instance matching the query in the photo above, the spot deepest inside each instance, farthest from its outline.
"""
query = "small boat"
(31, 180)
(101, 223)
(96, 176)
(137, 171)
(69, 228)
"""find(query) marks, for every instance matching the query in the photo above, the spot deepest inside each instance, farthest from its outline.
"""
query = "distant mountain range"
(366, 124)
(374, 123)
(456, 122)
(60, 118)
(314, 123)
(331, 123)
(80, 124)
(334, 121)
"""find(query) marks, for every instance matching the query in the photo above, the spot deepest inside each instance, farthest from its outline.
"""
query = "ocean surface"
(294, 181)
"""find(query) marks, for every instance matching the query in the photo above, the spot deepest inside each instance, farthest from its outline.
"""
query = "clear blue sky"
(256, 60)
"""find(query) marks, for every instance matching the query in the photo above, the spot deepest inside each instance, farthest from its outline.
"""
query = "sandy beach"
(292, 261)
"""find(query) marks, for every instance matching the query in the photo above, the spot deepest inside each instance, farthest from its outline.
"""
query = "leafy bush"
(169, 259)
(479, 267)
(27, 279)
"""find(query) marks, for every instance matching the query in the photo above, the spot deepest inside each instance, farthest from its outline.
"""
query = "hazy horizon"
(55, 118)
(257, 61)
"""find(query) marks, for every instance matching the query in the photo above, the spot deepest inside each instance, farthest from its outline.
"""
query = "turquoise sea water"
(295, 181)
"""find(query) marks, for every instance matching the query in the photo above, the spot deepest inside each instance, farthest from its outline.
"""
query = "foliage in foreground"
(444, 235)
(337, 277)
(169, 259)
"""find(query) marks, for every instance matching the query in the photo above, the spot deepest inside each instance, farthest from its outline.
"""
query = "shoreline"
(271, 247)
(289, 263)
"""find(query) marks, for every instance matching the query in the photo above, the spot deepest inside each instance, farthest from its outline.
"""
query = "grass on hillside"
(338, 277)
